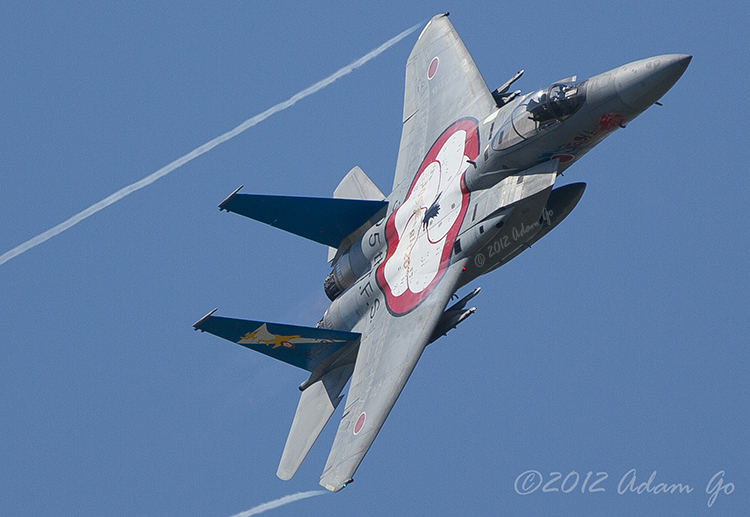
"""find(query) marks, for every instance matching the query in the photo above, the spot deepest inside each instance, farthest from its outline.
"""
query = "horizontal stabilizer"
(324, 220)
(303, 347)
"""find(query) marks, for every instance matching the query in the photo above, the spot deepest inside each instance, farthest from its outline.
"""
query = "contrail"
(195, 153)
(270, 505)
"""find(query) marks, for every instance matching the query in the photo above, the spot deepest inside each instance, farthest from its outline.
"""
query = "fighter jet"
(473, 188)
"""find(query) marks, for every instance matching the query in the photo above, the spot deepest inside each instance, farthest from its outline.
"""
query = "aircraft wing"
(388, 352)
(324, 220)
(303, 347)
(443, 85)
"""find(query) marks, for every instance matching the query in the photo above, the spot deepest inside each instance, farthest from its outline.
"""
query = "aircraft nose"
(641, 83)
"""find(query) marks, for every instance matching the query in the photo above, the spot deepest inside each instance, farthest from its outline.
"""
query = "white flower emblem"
(421, 232)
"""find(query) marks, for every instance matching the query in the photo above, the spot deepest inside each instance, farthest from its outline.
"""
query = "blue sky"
(617, 342)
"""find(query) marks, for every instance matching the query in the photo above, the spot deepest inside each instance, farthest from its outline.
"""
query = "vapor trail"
(270, 505)
(195, 153)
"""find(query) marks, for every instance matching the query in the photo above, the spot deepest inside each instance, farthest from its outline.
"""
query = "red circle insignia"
(360, 423)
(432, 70)
(564, 158)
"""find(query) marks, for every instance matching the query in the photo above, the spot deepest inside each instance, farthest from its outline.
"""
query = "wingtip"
(284, 474)
(203, 319)
(331, 488)
(229, 197)
(336, 488)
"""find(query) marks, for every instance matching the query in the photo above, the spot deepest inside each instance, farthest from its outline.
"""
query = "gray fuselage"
(530, 138)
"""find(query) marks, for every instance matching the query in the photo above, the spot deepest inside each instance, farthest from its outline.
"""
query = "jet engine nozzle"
(641, 83)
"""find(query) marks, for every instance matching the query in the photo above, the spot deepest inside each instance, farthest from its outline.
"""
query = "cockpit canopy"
(559, 102)
(540, 110)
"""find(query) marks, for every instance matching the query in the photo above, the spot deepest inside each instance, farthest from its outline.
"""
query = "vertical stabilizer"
(355, 185)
